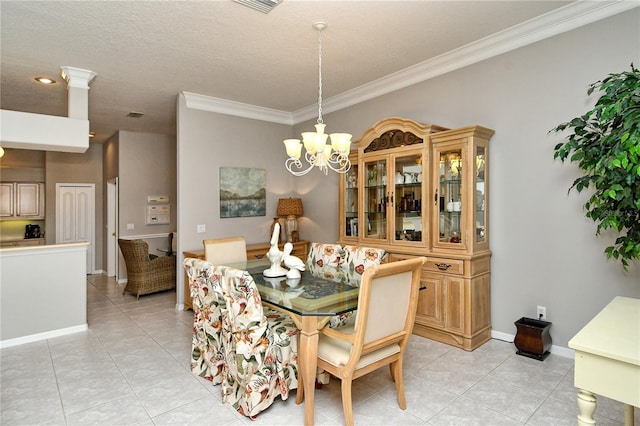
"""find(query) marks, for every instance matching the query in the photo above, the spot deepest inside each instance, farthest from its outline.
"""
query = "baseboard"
(556, 350)
(42, 336)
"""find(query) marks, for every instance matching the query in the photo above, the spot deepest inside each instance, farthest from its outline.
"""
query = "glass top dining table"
(318, 292)
(310, 301)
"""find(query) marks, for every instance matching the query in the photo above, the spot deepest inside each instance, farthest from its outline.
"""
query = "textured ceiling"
(146, 52)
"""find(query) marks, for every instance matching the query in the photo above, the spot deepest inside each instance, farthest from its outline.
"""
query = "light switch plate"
(130, 226)
(201, 228)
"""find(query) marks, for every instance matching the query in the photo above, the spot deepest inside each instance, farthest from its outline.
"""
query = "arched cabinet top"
(394, 132)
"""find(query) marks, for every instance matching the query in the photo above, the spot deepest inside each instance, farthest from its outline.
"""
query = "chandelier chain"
(320, 76)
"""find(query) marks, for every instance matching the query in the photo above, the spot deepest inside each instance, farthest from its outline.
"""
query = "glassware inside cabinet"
(408, 198)
(480, 195)
(375, 200)
(351, 201)
(450, 193)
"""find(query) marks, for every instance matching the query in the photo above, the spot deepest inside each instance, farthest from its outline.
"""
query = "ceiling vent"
(263, 6)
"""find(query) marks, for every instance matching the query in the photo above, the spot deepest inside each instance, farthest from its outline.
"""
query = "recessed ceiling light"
(133, 114)
(45, 80)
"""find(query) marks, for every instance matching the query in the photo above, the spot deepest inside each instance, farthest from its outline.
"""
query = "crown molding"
(239, 109)
(566, 18)
(561, 20)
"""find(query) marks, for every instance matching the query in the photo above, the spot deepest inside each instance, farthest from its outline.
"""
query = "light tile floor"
(132, 368)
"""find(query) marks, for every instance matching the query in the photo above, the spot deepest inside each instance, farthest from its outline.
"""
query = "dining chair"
(387, 305)
(358, 258)
(324, 255)
(223, 251)
(260, 347)
(207, 356)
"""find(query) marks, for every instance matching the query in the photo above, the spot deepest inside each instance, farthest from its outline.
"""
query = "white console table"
(607, 360)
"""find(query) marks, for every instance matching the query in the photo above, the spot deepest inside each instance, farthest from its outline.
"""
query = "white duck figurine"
(294, 263)
(275, 256)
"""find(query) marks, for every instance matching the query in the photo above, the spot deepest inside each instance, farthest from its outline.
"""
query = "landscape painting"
(242, 192)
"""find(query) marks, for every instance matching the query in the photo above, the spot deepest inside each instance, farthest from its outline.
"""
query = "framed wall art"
(243, 192)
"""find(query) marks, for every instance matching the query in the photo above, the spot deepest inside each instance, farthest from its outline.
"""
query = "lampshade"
(290, 207)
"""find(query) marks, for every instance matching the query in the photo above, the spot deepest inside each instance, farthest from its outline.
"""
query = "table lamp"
(291, 208)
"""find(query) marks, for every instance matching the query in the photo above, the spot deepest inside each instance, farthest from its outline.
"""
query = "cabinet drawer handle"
(423, 288)
(259, 256)
(443, 266)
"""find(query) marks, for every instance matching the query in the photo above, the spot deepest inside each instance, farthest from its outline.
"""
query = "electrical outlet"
(130, 226)
(201, 229)
(542, 312)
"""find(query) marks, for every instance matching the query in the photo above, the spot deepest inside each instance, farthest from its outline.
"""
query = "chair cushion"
(337, 352)
(321, 255)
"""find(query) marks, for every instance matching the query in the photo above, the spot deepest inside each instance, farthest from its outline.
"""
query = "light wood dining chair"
(223, 251)
(387, 305)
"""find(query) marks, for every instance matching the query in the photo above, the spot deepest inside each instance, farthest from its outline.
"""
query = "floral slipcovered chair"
(357, 259)
(323, 256)
(207, 356)
(260, 346)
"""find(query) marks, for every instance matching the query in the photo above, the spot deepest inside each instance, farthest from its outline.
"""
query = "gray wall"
(544, 249)
(40, 279)
(208, 141)
(145, 164)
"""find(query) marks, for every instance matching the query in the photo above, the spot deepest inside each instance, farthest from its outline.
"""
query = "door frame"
(112, 228)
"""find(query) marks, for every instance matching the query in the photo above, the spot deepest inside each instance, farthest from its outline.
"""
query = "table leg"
(587, 406)
(628, 415)
(308, 363)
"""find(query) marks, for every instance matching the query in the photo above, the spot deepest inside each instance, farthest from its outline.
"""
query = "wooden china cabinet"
(422, 190)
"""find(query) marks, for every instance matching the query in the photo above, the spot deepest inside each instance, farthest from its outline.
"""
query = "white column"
(78, 91)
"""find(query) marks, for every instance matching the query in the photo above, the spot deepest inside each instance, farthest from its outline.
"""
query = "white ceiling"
(146, 52)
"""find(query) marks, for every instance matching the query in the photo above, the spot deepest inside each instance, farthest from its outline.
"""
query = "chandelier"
(334, 156)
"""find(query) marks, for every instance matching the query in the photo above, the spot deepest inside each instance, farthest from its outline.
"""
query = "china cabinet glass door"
(376, 200)
(480, 196)
(449, 196)
(351, 202)
(407, 196)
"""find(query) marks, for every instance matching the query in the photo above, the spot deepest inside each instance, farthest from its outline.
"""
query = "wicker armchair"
(146, 275)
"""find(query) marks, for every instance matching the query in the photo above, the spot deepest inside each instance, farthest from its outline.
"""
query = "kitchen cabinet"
(22, 201)
(422, 190)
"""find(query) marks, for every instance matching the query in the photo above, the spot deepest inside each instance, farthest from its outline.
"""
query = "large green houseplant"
(605, 143)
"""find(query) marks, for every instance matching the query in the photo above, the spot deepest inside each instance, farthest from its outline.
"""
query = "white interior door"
(75, 217)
